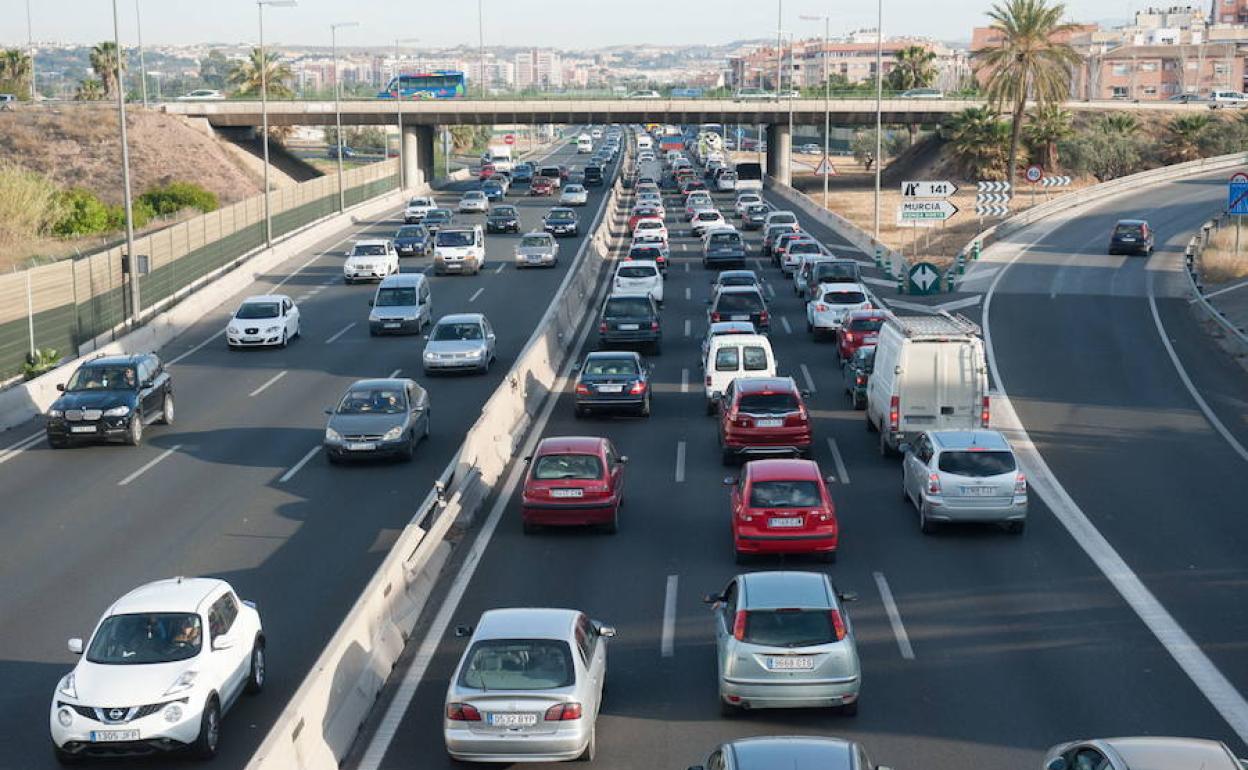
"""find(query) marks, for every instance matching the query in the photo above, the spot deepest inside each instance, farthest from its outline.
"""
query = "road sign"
(996, 187)
(992, 211)
(925, 211)
(983, 198)
(1033, 173)
(1055, 181)
(1237, 198)
(928, 189)
(825, 168)
(1239, 176)
(509, 139)
(924, 279)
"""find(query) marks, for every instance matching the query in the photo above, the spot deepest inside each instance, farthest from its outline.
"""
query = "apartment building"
(538, 68)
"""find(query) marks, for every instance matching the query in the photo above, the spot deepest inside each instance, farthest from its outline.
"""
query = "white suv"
(417, 208)
(371, 260)
(162, 666)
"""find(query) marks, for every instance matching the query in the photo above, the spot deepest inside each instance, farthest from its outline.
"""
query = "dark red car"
(860, 328)
(542, 185)
(782, 507)
(692, 185)
(487, 171)
(763, 416)
(573, 481)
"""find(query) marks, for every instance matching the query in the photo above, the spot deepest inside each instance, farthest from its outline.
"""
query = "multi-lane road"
(237, 488)
(979, 649)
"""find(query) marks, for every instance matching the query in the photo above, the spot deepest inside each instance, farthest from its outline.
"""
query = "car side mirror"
(60, 386)
(707, 301)
(148, 383)
(490, 335)
(1057, 763)
(329, 411)
(75, 646)
(425, 337)
(219, 644)
(606, 632)
(370, 303)
(346, 253)
(696, 767)
(830, 479)
(712, 598)
(730, 481)
(847, 596)
(528, 458)
(462, 631)
(623, 458)
(805, 393)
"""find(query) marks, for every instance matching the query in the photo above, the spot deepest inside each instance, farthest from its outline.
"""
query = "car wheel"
(529, 529)
(347, 281)
(727, 456)
(645, 407)
(409, 451)
(134, 436)
(331, 458)
(870, 425)
(166, 410)
(1017, 527)
(591, 748)
(859, 403)
(284, 341)
(258, 672)
(728, 710)
(656, 348)
(612, 527)
(741, 557)
(428, 421)
(299, 329)
(579, 413)
(926, 525)
(209, 740)
(885, 449)
(850, 709)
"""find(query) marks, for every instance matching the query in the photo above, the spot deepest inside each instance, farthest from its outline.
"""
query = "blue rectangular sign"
(1237, 198)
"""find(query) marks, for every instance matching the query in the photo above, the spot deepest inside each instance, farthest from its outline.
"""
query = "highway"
(237, 487)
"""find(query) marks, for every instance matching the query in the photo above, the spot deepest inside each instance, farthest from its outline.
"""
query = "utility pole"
(136, 304)
(827, 104)
(481, 44)
(30, 46)
(879, 95)
(398, 98)
(333, 42)
(264, 112)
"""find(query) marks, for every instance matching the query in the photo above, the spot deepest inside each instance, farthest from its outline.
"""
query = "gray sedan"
(537, 249)
(1142, 754)
(384, 417)
(460, 342)
(785, 641)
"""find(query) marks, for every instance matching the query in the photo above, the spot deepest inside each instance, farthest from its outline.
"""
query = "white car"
(744, 201)
(370, 260)
(639, 276)
(574, 195)
(707, 219)
(162, 666)
(644, 95)
(268, 319)
(596, 133)
(417, 208)
(474, 201)
(651, 227)
(202, 95)
(826, 310)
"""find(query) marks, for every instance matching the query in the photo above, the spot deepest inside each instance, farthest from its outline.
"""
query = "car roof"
(1132, 221)
(844, 287)
(731, 327)
(265, 298)
(638, 262)
(724, 340)
(792, 752)
(561, 210)
(179, 594)
(114, 360)
(724, 273)
(857, 315)
(752, 289)
(769, 590)
(382, 382)
(610, 355)
(461, 318)
(1160, 753)
(402, 279)
(556, 445)
(764, 384)
(526, 623)
(372, 242)
(472, 193)
(969, 439)
(781, 469)
(541, 233)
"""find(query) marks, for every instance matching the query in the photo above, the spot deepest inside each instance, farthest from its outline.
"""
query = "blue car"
(413, 241)
(494, 191)
(522, 172)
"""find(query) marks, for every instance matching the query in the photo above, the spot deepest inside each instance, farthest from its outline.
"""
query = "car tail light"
(763, 316)
(462, 712)
(714, 317)
(838, 624)
(859, 379)
(654, 326)
(1020, 484)
(602, 327)
(985, 412)
(849, 336)
(894, 413)
(708, 381)
(563, 712)
(933, 484)
(638, 388)
(822, 308)
(738, 626)
(582, 389)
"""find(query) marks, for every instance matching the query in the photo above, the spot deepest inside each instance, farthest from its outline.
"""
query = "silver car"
(574, 195)
(460, 342)
(528, 688)
(537, 249)
(375, 418)
(964, 475)
(474, 201)
(1142, 754)
(785, 641)
(790, 751)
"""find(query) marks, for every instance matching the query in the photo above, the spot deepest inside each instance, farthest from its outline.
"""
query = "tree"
(1103, 154)
(915, 68)
(1184, 137)
(979, 140)
(104, 61)
(214, 69)
(15, 71)
(245, 76)
(1046, 127)
(1122, 123)
(90, 90)
(1027, 61)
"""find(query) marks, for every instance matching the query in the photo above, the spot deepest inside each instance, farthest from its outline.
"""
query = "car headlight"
(272, 329)
(117, 411)
(55, 413)
(393, 434)
(431, 356)
(332, 435)
(475, 353)
(68, 686)
(184, 682)
(233, 329)
(65, 716)
(173, 712)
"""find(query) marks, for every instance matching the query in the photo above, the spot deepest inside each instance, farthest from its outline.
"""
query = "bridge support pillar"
(417, 154)
(780, 153)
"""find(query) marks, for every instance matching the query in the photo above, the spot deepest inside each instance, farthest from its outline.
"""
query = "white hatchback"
(651, 226)
(268, 319)
(639, 276)
(162, 666)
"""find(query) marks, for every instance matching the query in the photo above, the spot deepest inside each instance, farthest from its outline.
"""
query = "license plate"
(768, 423)
(361, 446)
(791, 663)
(567, 493)
(979, 491)
(107, 736)
(534, 257)
(629, 327)
(785, 521)
(740, 318)
(872, 338)
(513, 720)
(82, 429)
(610, 388)
(391, 326)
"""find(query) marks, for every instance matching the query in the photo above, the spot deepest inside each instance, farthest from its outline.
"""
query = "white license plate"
(513, 720)
(534, 257)
(610, 388)
(629, 327)
(391, 326)
(790, 663)
(871, 338)
(361, 446)
(740, 318)
(768, 423)
(567, 493)
(785, 521)
(108, 736)
(82, 429)
(979, 491)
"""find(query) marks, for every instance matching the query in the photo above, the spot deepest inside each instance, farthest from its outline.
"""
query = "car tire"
(64, 758)
(579, 413)
(58, 443)
(299, 330)
(828, 557)
(885, 450)
(134, 436)
(741, 558)
(331, 458)
(656, 348)
(166, 410)
(258, 672)
(613, 527)
(284, 341)
(527, 528)
(409, 451)
(591, 748)
(727, 710)
(373, 332)
(347, 281)
(849, 709)
(710, 407)
(645, 408)
(209, 739)
(870, 425)
(926, 525)
(1017, 527)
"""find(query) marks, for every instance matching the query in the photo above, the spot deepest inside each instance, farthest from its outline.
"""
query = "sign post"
(1237, 202)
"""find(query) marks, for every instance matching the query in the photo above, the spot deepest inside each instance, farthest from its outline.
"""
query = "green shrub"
(82, 213)
(142, 210)
(43, 360)
(28, 203)
(176, 196)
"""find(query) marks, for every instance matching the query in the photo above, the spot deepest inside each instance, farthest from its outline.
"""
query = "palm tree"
(15, 71)
(1046, 126)
(104, 61)
(915, 68)
(245, 76)
(1183, 137)
(979, 140)
(1123, 123)
(1027, 61)
(90, 91)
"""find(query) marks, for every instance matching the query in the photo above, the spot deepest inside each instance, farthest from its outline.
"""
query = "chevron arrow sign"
(992, 211)
(986, 198)
(1055, 181)
(993, 187)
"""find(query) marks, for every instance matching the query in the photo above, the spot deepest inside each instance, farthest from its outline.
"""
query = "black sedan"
(502, 219)
(413, 241)
(560, 222)
(109, 398)
(857, 373)
(613, 381)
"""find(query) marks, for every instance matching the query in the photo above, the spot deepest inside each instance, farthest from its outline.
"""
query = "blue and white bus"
(439, 84)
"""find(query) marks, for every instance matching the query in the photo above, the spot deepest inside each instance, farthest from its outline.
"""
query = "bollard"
(901, 284)
(879, 255)
(961, 264)
(976, 248)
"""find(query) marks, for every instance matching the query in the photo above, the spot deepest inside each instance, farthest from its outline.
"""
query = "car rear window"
(755, 358)
(645, 252)
(785, 494)
(610, 366)
(866, 324)
(707, 216)
(740, 302)
(789, 628)
(649, 224)
(455, 238)
(737, 280)
(518, 664)
(977, 463)
(1129, 230)
(558, 467)
(628, 307)
(805, 247)
(844, 298)
(784, 218)
(636, 271)
(535, 241)
(832, 272)
(728, 359)
(725, 239)
(767, 403)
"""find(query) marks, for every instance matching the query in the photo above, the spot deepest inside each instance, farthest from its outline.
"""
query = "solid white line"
(269, 382)
(290, 474)
(810, 384)
(394, 374)
(341, 332)
(878, 281)
(195, 349)
(500, 268)
(688, 327)
(680, 461)
(667, 647)
(151, 464)
(785, 323)
(958, 304)
(894, 617)
(684, 380)
(16, 449)
(842, 475)
(1224, 290)
(476, 294)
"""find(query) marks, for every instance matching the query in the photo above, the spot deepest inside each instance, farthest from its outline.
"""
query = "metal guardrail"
(1191, 258)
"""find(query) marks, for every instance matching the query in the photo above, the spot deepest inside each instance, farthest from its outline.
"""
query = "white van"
(459, 250)
(403, 304)
(584, 144)
(644, 142)
(929, 374)
(1227, 99)
(731, 356)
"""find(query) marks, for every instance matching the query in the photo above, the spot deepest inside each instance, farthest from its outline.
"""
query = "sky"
(568, 24)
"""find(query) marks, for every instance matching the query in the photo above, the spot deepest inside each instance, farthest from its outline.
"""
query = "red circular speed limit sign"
(1034, 174)
(509, 139)
(1239, 178)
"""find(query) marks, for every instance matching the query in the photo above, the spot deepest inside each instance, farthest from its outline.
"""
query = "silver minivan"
(403, 304)
(964, 475)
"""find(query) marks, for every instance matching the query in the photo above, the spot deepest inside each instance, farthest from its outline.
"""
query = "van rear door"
(939, 387)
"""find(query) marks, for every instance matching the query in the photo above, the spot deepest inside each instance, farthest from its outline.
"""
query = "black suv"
(593, 176)
(1131, 236)
(502, 219)
(630, 319)
(109, 398)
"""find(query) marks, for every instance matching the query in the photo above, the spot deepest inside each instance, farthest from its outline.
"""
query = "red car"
(542, 185)
(640, 213)
(860, 328)
(573, 481)
(487, 170)
(781, 507)
(763, 416)
(692, 185)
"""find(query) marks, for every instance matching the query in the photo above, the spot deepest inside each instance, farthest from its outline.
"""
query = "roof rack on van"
(936, 325)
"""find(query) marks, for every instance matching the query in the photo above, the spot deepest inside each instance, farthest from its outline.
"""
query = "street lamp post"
(333, 39)
(30, 47)
(879, 95)
(827, 104)
(136, 304)
(138, 20)
(481, 45)
(398, 98)
(779, 46)
(264, 112)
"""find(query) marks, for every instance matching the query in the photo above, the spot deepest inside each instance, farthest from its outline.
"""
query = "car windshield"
(454, 238)
(560, 216)
(739, 302)
(396, 296)
(448, 332)
(414, 231)
(518, 664)
(628, 307)
(767, 403)
(569, 466)
(158, 637)
(372, 401)
(549, 171)
(789, 628)
(977, 463)
(1133, 231)
(438, 215)
(369, 250)
(259, 310)
(866, 324)
(536, 241)
(785, 494)
(614, 366)
(503, 211)
(725, 239)
(103, 377)
(418, 202)
(632, 271)
(844, 297)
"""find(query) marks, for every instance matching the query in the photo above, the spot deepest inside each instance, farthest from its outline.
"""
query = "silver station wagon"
(964, 475)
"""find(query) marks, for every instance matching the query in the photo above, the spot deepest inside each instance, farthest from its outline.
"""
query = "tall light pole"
(264, 112)
(138, 20)
(879, 95)
(136, 304)
(779, 46)
(827, 104)
(481, 45)
(398, 98)
(333, 41)
(30, 47)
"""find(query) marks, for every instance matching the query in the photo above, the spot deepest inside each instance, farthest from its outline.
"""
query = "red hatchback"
(782, 507)
(573, 481)
(640, 213)
(487, 171)
(763, 416)
(542, 185)
(860, 328)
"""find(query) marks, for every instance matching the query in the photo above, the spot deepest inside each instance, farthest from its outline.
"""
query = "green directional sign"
(924, 279)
